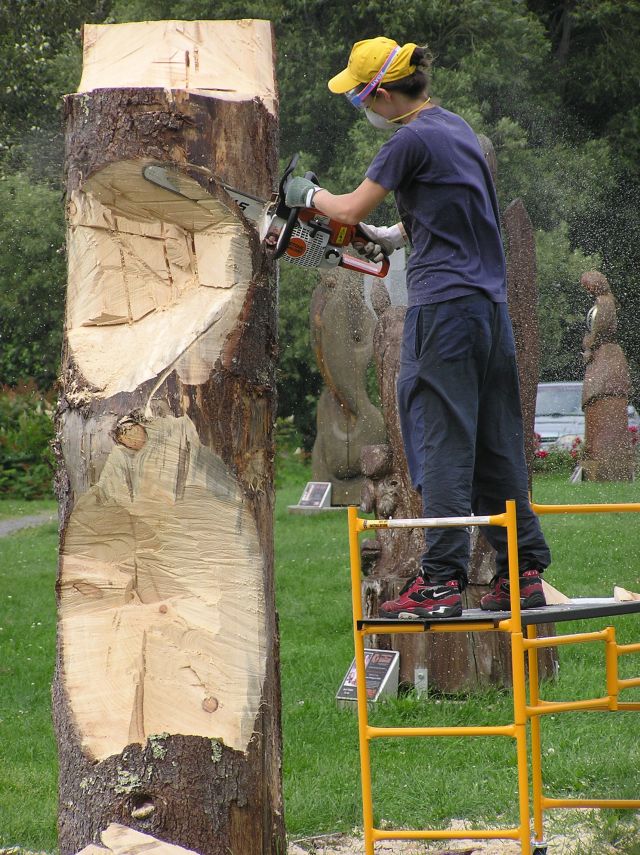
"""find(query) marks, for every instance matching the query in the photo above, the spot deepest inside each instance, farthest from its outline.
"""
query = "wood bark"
(166, 692)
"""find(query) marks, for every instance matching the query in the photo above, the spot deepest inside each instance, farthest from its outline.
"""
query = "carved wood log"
(166, 695)
(605, 393)
(341, 336)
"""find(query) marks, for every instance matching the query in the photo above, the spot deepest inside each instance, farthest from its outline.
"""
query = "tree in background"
(32, 276)
(552, 82)
(39, 60)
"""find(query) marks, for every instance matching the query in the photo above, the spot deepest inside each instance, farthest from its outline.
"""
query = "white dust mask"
(390, 125)
(379, 122)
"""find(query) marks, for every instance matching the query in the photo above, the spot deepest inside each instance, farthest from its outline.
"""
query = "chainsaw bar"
(301, 236)
(176, 182)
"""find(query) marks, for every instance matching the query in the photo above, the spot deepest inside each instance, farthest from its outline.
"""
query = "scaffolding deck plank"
(576, 610)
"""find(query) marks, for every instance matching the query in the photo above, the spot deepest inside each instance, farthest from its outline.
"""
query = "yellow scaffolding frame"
(523, 712)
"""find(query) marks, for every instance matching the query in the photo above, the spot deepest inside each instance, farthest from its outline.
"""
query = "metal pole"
(519, 688)
(361, 681)
(536, 741)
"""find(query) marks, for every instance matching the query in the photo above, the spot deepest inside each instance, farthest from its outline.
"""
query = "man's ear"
(384, 92)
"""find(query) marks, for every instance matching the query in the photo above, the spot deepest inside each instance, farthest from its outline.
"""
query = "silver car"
(559, 416)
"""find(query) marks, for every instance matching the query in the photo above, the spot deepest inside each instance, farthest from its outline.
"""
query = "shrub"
(26, 431)
(560, 458)
(557, 458)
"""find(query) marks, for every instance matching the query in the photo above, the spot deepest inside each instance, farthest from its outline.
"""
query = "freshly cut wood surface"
(120, 840)
(553, 596)
(156, 279)
(229, 59)
(624, 596)
(156, 638)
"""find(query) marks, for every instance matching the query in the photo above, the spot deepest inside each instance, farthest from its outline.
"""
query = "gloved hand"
(300, 192)
(382, 241)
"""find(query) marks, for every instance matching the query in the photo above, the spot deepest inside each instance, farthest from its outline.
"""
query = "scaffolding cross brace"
(521, 628)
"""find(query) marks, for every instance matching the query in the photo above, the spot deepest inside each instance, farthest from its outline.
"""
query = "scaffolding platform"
(575, 610)
(528, 707)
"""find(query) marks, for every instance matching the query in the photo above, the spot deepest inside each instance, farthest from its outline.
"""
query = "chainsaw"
(301, 236)
(308, 238)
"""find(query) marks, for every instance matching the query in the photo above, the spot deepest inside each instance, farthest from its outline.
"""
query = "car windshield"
(559, 401)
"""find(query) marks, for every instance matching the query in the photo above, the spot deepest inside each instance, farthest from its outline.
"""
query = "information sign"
(382, 667)
(316, 496)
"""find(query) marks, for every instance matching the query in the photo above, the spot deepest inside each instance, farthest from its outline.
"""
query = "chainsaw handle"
(291, 214)
(359, 265)
(285, 235)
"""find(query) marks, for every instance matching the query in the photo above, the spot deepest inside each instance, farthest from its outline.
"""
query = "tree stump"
(166, 692)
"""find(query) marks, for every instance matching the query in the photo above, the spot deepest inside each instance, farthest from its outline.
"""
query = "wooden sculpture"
(166, 696)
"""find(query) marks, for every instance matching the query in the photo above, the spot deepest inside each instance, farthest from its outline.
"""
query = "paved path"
(11, 525)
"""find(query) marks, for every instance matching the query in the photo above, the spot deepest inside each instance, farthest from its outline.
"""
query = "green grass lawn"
(28, 766)
(416, 782)
(21, 507)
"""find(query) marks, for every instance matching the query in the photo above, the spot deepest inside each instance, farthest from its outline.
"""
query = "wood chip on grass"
(576, 839)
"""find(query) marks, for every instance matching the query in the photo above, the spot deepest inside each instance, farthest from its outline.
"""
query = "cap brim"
(343, 82)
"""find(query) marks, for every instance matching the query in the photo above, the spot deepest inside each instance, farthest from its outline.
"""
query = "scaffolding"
(521, 628)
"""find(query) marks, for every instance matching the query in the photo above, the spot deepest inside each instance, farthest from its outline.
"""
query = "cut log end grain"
(229, 59)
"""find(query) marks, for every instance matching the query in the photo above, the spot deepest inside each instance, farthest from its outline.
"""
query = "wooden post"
(342, 340)
(166, 693)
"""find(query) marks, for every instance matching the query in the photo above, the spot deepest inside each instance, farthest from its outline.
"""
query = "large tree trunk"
(166, 694)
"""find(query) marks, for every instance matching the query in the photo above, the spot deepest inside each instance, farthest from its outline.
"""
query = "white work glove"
(383, 240)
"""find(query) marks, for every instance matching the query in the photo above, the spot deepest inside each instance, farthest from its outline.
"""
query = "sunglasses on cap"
(358, 95)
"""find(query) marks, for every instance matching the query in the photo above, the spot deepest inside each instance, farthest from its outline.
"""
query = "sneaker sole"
(388, 615)
(437, 612)
(535, 601)
(419, 614)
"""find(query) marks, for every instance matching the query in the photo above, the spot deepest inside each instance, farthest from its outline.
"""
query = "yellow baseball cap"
(367, 59)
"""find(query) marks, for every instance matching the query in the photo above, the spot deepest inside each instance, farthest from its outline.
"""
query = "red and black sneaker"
(420, 599)
(531, 593)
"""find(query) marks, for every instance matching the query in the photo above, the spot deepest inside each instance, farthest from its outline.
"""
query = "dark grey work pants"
(460, 413)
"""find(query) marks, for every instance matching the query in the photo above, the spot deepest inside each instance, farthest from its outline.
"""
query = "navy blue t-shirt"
(448, 206)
